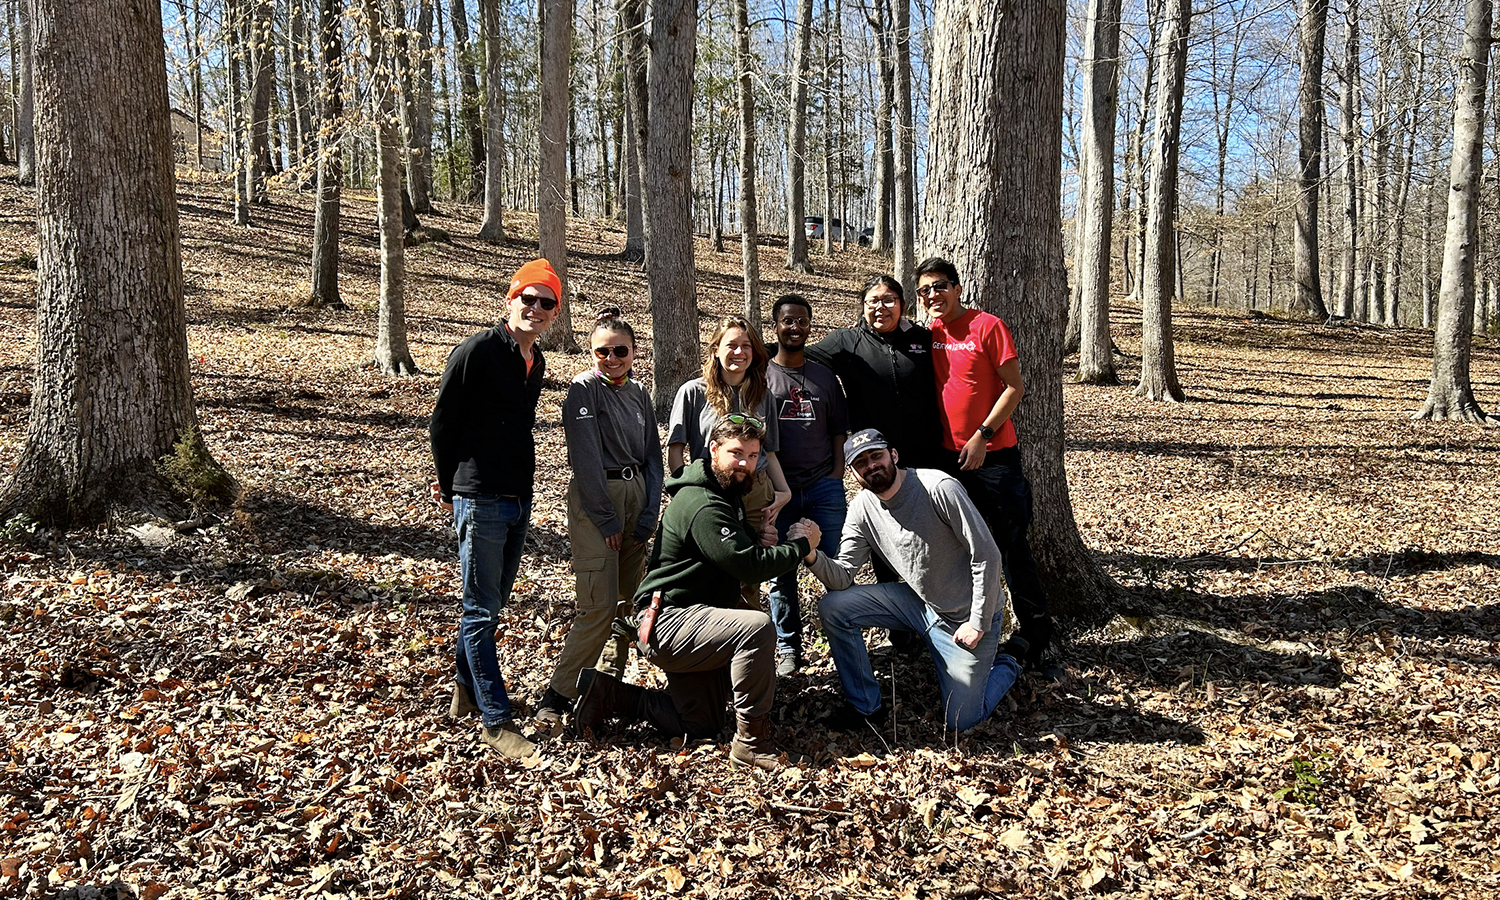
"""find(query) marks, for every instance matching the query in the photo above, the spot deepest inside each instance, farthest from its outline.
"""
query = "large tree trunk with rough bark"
(1350, 258)
(325, 255)
(112, 392)
(419, 101)
(1450, 395)
(994, 210)
(552, 160)
(468, 90)
(492, 228)
(239, 139)
(885, 176)
(1096, 360)
(1158, 274)
(261, 45)
(796, 142)
(749, 212)
(1314, 26)
(670, 269)
(391, 353)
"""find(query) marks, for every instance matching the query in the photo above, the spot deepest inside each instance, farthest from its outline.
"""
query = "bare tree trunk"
(637, 126)
(419, 111)
(796, 142)
(112, 392)
(1450, 394)
(492, 228)
(1142, 174)
(239, 138)
(885, 177)
(749, 213)
(1096, 362)
(1158, 367)
(830, 129)
(670, 269)
(261, 47)
(299, 63)
(552, 207)
(903, 139)
(26, 108)
(1000, 69)
(468, 90)
(1314, 27)
(325, 255)
(1379, 172)
(391, 354)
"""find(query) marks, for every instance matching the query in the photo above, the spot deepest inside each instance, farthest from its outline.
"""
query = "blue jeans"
(491, 532)
(823, 502)
(972, 681)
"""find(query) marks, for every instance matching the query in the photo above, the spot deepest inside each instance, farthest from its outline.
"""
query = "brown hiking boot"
(602, 697)
(754, 747)
(463, 703)
(506, 739)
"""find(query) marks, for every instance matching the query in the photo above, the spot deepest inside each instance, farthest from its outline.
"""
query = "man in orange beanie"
(486, 463)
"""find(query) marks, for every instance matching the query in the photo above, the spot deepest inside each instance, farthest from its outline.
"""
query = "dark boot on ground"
(753, 746)
(847, 718)
(549, 712)
(788, 662)
(603, 698)
(463, 702)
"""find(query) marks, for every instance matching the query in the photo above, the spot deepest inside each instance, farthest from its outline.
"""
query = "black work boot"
(602, 697)
(847, 718)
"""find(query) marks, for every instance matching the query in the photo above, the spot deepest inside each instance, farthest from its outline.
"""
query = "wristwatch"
(987, 431)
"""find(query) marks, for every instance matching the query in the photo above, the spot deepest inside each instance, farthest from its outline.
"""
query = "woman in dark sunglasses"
(613, 501)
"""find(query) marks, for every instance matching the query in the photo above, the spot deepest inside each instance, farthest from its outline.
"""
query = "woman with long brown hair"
(733, 383)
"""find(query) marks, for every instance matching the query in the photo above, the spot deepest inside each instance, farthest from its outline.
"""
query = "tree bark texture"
(1096, 361)
(26, 104)
(637, 119)
(749, 213)
(391, 353)
(492, 228)
(325, 254)
(1314, 27)
(552, 174)
(885, 177)
(468, 89)
(112, 392)
(1350, 259)
(994, 210)
(796, 142)
(1450, 394)
(239, 138)
(261, 47)
(1158, 275)
(670, 269)
(419, 98)
(903, 139)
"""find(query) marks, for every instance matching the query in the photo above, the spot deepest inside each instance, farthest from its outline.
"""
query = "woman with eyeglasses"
(733, 383)
(614, 498)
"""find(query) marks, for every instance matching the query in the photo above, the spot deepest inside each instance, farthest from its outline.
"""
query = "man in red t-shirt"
(979, 386)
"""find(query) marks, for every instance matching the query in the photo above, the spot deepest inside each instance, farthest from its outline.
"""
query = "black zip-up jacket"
(481, 425)
(889, 384)
(705, 549)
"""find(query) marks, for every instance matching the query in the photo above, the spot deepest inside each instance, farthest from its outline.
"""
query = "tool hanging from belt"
(647, 622)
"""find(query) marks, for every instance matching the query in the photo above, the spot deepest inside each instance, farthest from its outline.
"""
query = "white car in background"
(814, 227)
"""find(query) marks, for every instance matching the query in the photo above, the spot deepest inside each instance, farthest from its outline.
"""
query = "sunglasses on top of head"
(546, 303)
(620, 351)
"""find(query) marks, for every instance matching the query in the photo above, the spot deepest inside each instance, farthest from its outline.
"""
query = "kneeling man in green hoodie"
(693, 623)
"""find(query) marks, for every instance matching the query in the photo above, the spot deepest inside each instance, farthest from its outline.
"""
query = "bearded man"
(692, 621)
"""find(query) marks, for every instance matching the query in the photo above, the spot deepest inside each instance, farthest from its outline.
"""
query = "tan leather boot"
(463, 703)
(506, 740)
(753, 745)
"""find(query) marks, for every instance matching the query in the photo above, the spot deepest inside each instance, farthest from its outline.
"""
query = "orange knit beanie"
(538, 272)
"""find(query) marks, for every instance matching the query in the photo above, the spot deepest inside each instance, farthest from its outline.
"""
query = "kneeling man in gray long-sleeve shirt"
(923, 524)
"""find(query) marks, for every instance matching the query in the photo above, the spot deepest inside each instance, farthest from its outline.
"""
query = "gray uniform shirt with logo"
(611, 426)
(932, 535)
(693, 420)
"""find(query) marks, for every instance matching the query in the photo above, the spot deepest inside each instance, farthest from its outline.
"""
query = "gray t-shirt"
(932, 535)
(693, 419)
(811, 413)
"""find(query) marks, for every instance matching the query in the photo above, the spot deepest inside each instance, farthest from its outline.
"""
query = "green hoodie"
(705, 549)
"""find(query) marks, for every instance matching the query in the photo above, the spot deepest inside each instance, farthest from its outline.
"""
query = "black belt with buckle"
(624, 473)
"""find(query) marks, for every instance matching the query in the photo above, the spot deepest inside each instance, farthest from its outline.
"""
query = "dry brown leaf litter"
(254, 710)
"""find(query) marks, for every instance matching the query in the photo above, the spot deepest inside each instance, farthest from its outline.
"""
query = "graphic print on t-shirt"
(799, 408)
